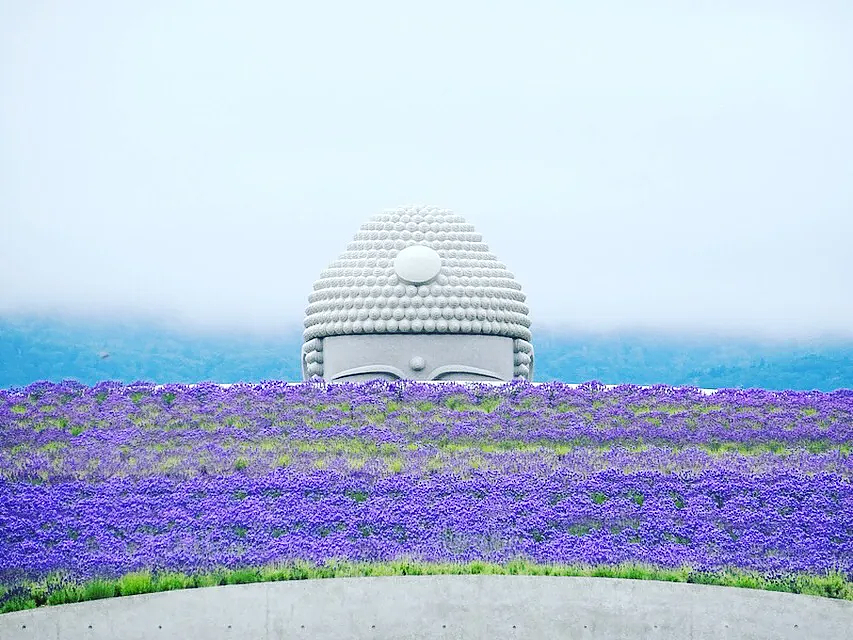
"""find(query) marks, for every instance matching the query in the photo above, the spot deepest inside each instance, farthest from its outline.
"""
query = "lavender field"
(115, 489)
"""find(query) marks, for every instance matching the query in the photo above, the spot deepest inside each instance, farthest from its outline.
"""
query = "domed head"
(417, 295)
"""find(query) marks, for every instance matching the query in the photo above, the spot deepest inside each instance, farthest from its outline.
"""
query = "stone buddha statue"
(417, 296)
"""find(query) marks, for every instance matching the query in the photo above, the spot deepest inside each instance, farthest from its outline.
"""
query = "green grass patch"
(54, 446)
(458, 403)
(598, 497)
(357, 496)
(636, 497)
(490, 404)
(137, 582)
(283, 460)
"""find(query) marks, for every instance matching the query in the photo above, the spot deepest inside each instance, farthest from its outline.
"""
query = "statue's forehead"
(419, 356)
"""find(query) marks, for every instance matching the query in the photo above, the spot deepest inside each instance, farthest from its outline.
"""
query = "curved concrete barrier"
(470, 606)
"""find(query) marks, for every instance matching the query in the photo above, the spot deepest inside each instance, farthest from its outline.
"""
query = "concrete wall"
(489, 607)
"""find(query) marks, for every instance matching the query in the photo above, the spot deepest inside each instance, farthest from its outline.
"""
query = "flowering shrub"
(104, 483)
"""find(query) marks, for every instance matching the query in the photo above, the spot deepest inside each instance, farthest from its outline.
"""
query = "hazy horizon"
(648, 168)
(114, 323)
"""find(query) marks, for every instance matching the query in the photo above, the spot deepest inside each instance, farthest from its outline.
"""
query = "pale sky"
(640, 164)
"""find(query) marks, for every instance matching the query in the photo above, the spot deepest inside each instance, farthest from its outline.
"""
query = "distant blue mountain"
(702, 362)
(35, 349)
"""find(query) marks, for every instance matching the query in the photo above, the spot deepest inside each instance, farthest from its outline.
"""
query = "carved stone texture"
(412, 297)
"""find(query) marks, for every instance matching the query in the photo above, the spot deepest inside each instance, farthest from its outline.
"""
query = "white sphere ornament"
(417, 264)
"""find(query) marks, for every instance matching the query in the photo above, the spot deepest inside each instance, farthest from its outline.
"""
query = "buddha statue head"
(417, 296)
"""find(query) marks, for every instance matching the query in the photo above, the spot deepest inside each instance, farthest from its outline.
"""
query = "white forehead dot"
(417, 264)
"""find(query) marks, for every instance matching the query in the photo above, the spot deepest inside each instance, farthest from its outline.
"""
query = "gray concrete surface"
(493, 607)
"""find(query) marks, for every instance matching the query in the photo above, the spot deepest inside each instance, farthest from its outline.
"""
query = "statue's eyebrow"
(463, 368)
(370, 368)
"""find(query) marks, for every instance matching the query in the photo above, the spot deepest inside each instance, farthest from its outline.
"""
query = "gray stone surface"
(417, 357)
(416, 271)
(488, 607)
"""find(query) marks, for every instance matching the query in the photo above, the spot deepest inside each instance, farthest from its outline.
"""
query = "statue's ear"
(530, 374)
(304, 363)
